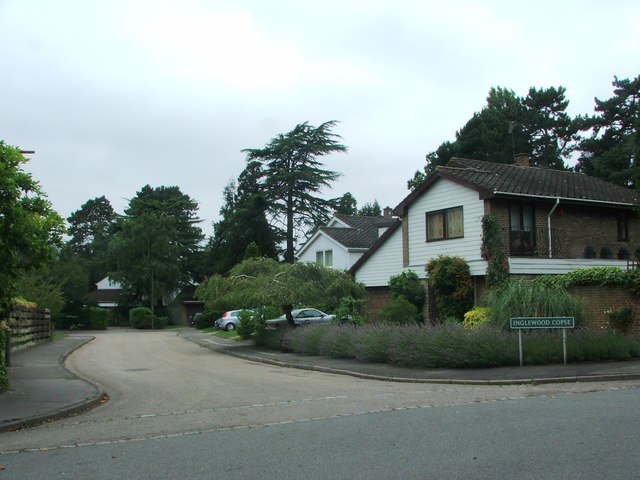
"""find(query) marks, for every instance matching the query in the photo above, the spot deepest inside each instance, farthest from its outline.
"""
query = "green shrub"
(600, 276)
(450, 279)
(337, 342)
(205, 319)
(533, 299)
(621, 319)
(494, 252)
(98, 318)
(140, 317)
(407, 285)
(249, 321)
(270, 338)
(398, 310)
(373, 343)
(160, 322)
(306, 340)
(351, 311)
(476, 317)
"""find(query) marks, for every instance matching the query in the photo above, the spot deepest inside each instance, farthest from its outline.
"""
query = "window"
(623, 227)
(522, 225)
(445, 224)
(324, 258)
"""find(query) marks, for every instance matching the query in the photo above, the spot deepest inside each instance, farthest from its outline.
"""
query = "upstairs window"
(522, 226)
(445, 224)
(623, 227)
(324, 258)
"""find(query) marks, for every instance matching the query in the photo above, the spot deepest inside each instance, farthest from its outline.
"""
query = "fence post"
(7, 348)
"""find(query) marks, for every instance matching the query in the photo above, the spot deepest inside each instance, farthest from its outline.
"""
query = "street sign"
(523, 323)
(541, 322)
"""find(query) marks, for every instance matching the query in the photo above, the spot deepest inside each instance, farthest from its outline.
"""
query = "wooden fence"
(28, 327)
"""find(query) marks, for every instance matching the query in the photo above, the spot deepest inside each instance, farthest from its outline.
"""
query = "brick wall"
(573, 228)
(377, 297)
(601, 299)
(405, 242)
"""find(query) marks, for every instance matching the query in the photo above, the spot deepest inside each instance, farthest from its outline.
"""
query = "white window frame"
(324, 258)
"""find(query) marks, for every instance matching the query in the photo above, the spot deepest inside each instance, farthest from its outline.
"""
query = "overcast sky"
(116, 94)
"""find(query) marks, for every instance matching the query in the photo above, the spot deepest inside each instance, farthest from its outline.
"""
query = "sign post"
(526, 323)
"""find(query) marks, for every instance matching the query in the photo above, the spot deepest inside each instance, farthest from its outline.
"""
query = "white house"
(344, 240)
(107, 293)
(550, 222)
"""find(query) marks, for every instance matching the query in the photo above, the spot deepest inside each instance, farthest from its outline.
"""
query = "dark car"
(301, 316)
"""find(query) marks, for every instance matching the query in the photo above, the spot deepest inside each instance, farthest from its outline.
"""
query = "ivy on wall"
(494, 252)
(600, 276)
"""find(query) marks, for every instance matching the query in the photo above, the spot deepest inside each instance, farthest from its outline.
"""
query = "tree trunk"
(289, 254)
(287, 312)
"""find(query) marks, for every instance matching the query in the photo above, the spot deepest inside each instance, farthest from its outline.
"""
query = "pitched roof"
(365, 222)
(362, 231)
(357, 232)
(375, 246)
(498, 179)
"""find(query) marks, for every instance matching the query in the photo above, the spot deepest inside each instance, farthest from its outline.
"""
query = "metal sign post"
(526, 323)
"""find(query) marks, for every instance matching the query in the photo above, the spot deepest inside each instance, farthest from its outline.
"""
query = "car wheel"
(230, 327)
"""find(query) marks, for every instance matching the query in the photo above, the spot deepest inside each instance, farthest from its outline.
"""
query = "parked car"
(301, 316)
(229, 320)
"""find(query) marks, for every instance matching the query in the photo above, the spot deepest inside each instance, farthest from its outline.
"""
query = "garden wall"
(601, 299)
(29, 327)
(377, 297)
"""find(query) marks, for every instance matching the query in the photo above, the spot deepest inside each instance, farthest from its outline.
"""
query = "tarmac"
(43, 390)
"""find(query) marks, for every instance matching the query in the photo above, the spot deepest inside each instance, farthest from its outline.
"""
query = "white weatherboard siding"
(385, 262)
(557, 266)
(341, 257)
(445, 194)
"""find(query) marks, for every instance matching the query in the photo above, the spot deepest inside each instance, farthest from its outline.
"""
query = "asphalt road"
(177, 410)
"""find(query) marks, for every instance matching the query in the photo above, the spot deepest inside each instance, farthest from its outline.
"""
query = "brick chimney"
(522, 159)
(388, 212)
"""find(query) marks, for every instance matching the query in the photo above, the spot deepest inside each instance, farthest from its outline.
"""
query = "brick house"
(552, 221)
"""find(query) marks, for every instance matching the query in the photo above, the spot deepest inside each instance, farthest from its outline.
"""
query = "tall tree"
(30, 230)
(294, 177)
(155, 248)
(243, 222)
(170, 202)
(146, 257)
(347, 205)
(536, 124)
(611, 151)
(497, 132)
(370, 209)
(550, 131)
(90, 229)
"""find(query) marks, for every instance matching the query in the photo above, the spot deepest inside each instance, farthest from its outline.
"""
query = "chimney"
(522, 159)
(388, 212)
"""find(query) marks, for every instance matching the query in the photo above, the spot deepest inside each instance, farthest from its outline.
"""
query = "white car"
(301, 316)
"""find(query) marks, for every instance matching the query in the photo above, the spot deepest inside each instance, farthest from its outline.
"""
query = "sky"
(114, 95)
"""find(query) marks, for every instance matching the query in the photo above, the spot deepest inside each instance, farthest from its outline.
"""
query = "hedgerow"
(452, 345)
